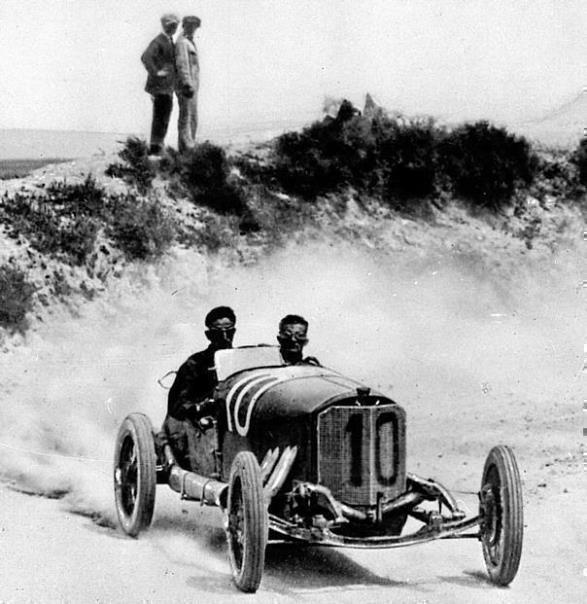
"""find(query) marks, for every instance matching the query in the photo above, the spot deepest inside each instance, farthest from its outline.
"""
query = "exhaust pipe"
(194, 486)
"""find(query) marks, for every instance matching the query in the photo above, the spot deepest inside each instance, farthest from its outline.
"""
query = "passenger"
(292, 337)
(189, 396)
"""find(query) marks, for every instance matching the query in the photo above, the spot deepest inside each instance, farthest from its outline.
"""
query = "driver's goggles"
(222, 330)
(291, 337)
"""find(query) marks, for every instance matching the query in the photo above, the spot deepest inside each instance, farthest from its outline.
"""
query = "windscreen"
(245, 357)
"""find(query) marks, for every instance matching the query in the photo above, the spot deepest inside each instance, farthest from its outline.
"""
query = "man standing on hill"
(159, 61)
(188, 82)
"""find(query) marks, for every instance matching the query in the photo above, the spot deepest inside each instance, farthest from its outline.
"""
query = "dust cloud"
(436, 333)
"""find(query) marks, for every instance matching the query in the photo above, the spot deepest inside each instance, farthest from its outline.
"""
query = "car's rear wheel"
(247, 522)
(135, 474)
(501, 512)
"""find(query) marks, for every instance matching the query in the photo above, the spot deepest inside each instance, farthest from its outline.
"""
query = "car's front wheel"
(247, 522)
(501, 511)
(135, 474)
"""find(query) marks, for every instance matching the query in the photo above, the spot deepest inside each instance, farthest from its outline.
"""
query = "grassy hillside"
(380, 182)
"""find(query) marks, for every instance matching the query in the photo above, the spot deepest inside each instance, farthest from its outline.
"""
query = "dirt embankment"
(478, 335)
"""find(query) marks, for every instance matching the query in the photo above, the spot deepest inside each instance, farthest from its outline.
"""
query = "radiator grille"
(361, 452)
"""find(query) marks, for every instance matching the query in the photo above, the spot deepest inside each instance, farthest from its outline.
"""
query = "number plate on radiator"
(361, 452)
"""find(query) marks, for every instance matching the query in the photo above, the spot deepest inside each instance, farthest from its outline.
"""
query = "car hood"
(263, 394)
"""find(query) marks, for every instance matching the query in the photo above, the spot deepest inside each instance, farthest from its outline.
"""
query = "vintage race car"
(304, 454)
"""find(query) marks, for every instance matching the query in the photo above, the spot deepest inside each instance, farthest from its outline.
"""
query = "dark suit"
(195, 381)
(160, 56)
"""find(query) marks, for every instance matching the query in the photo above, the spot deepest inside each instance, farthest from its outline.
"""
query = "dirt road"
(472, 367)
(50, 555)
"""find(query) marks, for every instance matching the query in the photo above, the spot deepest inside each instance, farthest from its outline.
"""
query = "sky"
(75, 64)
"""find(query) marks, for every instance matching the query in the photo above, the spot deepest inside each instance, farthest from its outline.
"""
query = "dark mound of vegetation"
(398, 160)
(388, 158)
(202, 174)
(325, 156)
(579, 158)
(407, 158)
(16, 299)
(136, 170)
(486, 164)
(65, 220)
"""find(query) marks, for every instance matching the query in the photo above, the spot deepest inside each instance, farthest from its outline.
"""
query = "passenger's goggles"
(292, 337)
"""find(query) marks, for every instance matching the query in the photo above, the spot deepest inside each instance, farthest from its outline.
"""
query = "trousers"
(162, 106)
(187, 123)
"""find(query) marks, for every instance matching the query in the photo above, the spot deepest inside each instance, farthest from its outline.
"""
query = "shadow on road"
(470, 578)
(288, 568)
(195, 540)
(309, 567)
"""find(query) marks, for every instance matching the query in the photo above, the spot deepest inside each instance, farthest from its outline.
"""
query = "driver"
(292, 337)
(196, 379)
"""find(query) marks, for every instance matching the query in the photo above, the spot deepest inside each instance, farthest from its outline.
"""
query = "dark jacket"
(305, 361)
(160, 54)
(195, 381)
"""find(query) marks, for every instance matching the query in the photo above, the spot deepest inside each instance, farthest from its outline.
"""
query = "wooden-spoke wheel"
(501, 512)
(135, 474)
(247, 522)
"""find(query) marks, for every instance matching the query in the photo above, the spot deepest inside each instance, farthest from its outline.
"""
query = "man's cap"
(220, 312)
(191, 19)
(169, 18)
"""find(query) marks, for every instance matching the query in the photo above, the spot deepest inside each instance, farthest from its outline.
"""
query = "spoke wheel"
(501, 512)
(135, 474)
(246, 522)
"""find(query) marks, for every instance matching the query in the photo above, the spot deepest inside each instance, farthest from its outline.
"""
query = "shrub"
(136, 170)
(204, 172)
(65, 222)
(407, 162)
(57, 232)
(140, 228)
(71, 240)
(384, 156)
(16, 299)
(77, 238)
(556, 176)
(486, 164)
(325, 156)
(75, 199)
(579, 158)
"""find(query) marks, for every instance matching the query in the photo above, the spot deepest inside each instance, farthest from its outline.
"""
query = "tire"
(247, 522)
(135, 474)
(502, 518)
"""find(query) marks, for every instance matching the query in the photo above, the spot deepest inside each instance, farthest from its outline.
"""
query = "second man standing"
(188, 81)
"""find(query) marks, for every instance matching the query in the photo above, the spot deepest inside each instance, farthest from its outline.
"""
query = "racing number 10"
(355, 427)
(384, 445)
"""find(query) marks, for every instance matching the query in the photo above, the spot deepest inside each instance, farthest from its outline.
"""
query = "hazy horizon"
(562, 126)
(307, 116)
